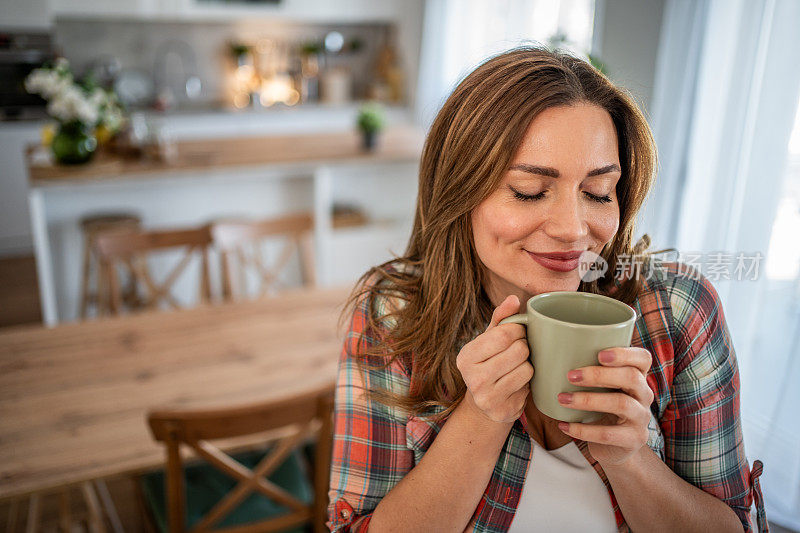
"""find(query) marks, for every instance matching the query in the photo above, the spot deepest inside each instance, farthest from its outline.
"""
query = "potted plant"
(239, 51)
(370, 122)
(82, 108)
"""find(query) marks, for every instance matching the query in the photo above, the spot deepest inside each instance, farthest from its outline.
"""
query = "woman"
(534, 153)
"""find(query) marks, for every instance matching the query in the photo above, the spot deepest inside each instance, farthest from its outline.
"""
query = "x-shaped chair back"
(239, 244)
(306, 415)
(132, 248)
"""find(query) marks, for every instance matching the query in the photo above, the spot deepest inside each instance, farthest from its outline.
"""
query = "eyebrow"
(553, 173)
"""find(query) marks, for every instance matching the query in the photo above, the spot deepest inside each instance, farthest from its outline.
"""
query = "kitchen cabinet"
(107, 8)
(26, 14)
(296, 10)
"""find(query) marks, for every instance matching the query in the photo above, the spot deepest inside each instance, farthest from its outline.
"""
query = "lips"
(558, 261)
(561, 256)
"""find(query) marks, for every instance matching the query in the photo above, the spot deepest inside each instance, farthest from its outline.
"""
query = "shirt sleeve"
(370, 455)
(701, 425)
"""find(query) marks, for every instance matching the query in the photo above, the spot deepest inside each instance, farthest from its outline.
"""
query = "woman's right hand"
(495, 367)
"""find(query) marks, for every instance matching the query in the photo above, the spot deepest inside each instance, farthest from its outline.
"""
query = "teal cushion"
(206, 485)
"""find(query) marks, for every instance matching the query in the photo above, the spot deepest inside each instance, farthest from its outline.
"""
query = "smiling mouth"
(557, 265)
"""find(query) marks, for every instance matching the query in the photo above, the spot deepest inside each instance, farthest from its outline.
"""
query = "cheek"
(605, 225)
(494, 224)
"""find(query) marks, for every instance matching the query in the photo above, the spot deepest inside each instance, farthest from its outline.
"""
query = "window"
(783, 257)
(460, 34)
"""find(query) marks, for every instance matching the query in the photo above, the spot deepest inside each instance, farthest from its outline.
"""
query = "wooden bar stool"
(92, 225)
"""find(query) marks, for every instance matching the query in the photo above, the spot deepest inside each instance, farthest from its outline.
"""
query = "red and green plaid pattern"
(695, 426)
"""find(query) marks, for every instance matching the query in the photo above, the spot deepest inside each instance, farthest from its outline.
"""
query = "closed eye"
(533, 197)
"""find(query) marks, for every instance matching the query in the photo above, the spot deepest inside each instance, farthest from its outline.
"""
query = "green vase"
(74, 143)
(369, 139)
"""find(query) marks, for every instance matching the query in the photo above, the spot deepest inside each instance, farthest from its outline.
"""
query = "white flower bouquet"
(82, 109)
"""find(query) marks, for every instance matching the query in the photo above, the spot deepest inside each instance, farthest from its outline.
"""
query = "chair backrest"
(239, 245)
(305, 415)
(131, 249)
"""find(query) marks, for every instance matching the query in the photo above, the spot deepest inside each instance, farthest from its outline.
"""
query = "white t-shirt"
(562, 492)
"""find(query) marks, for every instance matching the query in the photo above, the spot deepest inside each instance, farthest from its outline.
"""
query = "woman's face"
(559, 195)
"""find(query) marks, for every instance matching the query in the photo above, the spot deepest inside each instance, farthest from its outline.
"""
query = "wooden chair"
(132, 248)
(295, 419)
(92, 286)
(238, 243)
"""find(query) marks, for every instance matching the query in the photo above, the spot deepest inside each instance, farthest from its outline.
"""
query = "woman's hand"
(622, 430)
(495, 367)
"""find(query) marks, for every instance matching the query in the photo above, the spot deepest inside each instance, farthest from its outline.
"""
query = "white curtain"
(459, 34)
(726, 95)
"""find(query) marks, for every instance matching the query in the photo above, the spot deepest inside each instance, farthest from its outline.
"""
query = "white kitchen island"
(212, 179)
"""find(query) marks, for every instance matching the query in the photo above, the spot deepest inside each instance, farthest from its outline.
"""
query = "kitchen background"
(711, 77)
(156, 46)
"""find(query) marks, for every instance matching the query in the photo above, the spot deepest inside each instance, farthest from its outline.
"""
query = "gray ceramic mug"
(566, 330)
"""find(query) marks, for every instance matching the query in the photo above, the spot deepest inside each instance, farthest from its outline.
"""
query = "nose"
(566, 221)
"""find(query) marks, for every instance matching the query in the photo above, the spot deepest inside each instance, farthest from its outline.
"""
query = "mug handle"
(515, 319)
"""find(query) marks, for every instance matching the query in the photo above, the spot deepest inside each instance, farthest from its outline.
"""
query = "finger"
(494, 341)
(515, 380)
(493, 367)
(627, 378)
(507, 307)
(506, 361)
(616, 403)
(624, 436)
(626, 356)
(519, 398)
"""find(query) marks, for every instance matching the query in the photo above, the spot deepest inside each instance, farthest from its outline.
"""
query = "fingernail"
(563, 426)
(605, 356)
(565, 397)
(575, 375)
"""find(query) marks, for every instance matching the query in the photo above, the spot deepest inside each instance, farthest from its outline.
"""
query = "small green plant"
(238, 49)
(311, 48)
(370, 118)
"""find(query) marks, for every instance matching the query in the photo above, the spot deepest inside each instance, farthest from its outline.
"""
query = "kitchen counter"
(192, 156)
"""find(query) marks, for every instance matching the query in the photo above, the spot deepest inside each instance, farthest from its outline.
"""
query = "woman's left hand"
(622, 430)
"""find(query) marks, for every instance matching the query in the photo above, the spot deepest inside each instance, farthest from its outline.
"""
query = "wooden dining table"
(74, 398)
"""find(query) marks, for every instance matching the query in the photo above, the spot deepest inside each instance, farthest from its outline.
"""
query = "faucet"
(189, 86)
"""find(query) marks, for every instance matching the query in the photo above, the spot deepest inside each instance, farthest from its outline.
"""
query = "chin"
(555, 283)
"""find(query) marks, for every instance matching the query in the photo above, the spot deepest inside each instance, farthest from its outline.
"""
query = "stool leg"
(108, 506)
(102, 298)
(87, 257)
(64, 512)
(96, 524)
(11, 524)
(34, 512)
(130, 294)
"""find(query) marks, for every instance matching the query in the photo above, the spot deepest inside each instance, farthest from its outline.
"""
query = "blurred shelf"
(374, 230)
(347, 217)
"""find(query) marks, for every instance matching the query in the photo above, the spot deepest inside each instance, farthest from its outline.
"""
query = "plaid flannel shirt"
(694, 428)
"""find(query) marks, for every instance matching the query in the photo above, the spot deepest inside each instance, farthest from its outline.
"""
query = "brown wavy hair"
(469, 147)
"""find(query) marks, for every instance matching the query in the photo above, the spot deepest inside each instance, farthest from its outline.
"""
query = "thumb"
(507, 307)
